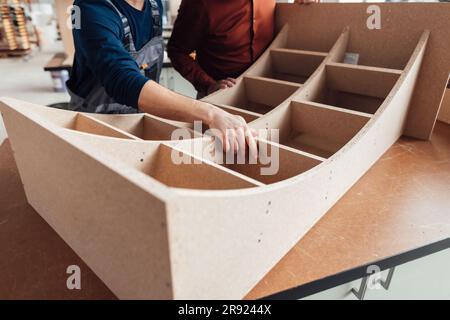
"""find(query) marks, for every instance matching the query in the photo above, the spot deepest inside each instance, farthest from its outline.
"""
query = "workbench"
(398, 212)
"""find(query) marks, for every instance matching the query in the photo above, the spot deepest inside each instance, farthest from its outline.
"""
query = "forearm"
(159, 101)
(230, 129)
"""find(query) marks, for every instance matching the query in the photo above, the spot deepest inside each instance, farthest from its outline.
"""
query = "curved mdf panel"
(444, 114)
(150, 228)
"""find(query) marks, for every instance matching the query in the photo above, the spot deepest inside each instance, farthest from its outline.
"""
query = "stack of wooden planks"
(14, 37)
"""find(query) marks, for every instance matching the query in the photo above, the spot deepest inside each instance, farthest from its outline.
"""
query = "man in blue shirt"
(118, 60)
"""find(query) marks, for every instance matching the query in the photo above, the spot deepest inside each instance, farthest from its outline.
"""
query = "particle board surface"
(34, 257)
(359, 229)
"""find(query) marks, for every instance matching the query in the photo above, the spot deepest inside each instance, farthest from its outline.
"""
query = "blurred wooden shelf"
(60, 61)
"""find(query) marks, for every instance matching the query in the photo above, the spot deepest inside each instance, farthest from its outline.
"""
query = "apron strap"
(157, 21)
(126, 27)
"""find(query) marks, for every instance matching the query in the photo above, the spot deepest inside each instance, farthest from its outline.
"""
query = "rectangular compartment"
(380, 51)
(86, 124)
(255, 94)
(280, 164)
(204, 176)
(145, 127)
(291, 65)
(320, 129)
(355, 87)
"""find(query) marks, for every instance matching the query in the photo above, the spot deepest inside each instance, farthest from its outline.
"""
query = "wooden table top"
(400, 204)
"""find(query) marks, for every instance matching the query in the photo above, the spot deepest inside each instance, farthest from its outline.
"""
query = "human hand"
(233, 132)
(221, 84)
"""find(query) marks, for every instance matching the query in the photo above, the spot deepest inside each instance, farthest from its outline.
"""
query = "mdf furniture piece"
(396, 213)
(152, 229)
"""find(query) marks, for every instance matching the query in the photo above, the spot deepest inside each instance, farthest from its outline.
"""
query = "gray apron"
(150, 59)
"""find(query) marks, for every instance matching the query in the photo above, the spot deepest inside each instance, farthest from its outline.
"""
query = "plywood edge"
(38, 113)
(415, 61)
(248, 115)
(414, 128)
(333, 108)
(444, 114)
(92, 125)
(274, 81)
(365, 68)
(293, 150)
(174, 124)
(300, 52)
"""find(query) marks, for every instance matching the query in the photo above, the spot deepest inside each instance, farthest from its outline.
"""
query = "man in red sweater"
(227, 37)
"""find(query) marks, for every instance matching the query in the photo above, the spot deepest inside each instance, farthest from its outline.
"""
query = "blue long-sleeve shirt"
(100, 55)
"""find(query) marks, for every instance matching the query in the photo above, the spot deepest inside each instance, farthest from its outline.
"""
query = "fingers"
(230, 141)
(221, 136)
(250, 136)
(228, 82)
(253, 132)
(241, 143)
(246, 136)
(222, 84)
(235, 134)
